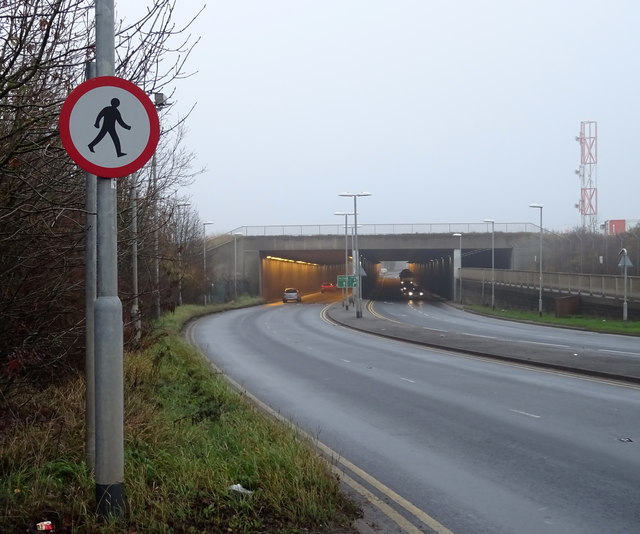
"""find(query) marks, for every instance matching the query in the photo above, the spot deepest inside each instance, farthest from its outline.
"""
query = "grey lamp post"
(493, 263)
(180, 228)
(459, 234)
(345, 303)
(624, 262)
(235, 265)
(135, 307)
(204, 259)
(160, 101)
(356, 254)
(539, 207)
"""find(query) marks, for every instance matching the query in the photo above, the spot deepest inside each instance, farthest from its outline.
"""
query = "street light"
(493, 263)
(345, 303)
(459, 234)
(356, 251)
(159, 101)
(539, 207)
(204, 259)
(624, 262)
(235, 265)
(180, 235)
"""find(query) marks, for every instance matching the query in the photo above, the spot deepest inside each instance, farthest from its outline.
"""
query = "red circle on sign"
(72, 150)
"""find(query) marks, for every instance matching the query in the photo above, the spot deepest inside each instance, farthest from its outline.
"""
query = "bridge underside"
(268, 264)
(332, 257)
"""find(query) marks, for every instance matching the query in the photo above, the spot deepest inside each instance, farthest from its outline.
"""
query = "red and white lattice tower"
(588, 205)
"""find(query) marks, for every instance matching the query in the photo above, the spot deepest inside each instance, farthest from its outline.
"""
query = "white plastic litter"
(239, 488)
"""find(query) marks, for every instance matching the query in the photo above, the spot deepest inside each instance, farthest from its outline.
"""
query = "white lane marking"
(618, 352)
(540, 343)
(478, 335)
(527, 414)
(345, 361)
(407, 380)
(435, 330)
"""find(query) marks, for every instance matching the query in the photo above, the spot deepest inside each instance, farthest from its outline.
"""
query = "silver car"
(291, 294)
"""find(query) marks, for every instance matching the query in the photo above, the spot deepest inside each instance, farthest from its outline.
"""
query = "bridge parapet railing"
(598, 285)
(383, 229)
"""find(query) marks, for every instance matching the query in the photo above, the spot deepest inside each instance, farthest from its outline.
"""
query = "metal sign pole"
(90, 298)
(625, 262)
(76, 126)
(624, 306)
(108, 313)
(135, 307)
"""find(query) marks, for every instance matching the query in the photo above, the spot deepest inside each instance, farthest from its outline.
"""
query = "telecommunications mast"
(588, 205)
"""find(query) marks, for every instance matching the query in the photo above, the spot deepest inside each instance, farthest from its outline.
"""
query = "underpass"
(264, 260)
(265, 264)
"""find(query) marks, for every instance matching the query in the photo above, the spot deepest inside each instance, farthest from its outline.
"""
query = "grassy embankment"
(608, 326)
(188, 438)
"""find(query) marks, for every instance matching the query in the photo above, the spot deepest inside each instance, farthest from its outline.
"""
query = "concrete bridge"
(268, 258)
(263, 260)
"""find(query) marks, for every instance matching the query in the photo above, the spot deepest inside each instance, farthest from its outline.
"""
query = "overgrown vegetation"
(45, 47)
(610, 326)
(188, 438)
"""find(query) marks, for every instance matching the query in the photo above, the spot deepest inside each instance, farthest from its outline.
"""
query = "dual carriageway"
(443, 440)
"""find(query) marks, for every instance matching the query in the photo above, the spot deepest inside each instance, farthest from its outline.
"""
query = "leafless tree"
(44, 46)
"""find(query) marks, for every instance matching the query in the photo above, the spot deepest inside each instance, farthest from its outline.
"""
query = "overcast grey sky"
(450, 111)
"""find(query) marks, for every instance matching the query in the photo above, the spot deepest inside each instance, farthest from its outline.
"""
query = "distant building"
(619, 226)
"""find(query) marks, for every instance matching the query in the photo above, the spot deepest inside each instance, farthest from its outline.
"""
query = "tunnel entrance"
(279, 273)
(432, 269)
(265, 265)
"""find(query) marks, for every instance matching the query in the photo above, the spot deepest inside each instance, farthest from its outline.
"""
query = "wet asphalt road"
(479, 446)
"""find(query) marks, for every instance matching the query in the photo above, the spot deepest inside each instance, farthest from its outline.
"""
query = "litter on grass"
(239, 489)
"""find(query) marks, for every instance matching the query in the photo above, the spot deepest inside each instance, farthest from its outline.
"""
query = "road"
(445, 318)
(477, 446)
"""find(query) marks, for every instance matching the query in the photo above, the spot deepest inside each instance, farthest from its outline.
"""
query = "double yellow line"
(339, 465)
(334, 460)
(376, 501)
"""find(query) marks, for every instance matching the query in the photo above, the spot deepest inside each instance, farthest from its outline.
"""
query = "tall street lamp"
(160, 101)
(459, 234)
(235, 264)
(539, 207)
(356, 251)
(345, 289)
(493, 263)
(204, 260)
(180, 228)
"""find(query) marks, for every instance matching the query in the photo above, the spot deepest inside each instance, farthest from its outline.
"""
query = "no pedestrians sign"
(109, 127)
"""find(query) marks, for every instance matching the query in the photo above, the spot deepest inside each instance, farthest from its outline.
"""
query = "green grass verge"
(188, 437)
(610, 326)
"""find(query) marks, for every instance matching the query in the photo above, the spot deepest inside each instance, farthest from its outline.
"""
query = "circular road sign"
(109, 126)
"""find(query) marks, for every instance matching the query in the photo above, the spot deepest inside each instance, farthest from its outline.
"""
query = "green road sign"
(347, 280)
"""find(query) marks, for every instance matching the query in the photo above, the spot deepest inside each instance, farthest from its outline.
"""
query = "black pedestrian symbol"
(109, 116)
